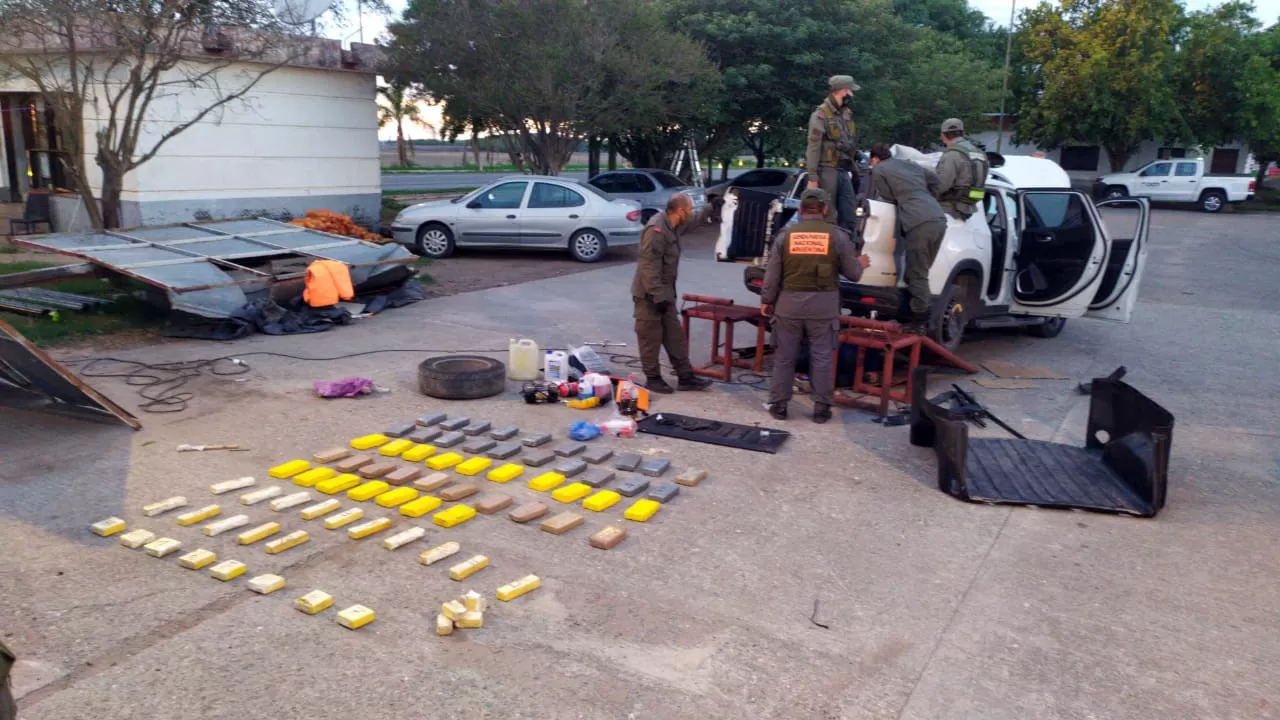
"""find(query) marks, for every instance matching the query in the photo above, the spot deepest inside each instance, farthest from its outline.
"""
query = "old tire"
(461, 377)
(1212, 201)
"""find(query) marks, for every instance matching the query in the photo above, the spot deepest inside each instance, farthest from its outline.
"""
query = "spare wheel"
(461, 377)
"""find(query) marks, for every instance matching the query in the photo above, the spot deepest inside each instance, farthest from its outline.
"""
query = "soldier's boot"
(821, 413)
(658, 385)
(693, 382)
(918, 325)
(778, 411)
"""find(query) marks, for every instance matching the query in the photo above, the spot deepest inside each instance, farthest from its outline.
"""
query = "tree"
(1101, 72)
(548, 72)
(943, 79)
(124, 77)
(1260, 102)
(397, 106)
(1213, 52)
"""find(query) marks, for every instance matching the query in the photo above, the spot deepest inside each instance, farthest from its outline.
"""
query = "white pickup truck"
(1177, 180)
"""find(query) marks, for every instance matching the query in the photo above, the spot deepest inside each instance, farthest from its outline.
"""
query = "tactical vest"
(975, 192)
(809, 259)
(840, 141)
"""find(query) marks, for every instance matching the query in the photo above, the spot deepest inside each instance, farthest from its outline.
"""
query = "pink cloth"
(346, 387)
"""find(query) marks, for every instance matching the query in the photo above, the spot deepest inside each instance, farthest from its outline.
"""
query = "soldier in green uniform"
(830, 155)
(802, 294)
(653, 291)
(962, 172)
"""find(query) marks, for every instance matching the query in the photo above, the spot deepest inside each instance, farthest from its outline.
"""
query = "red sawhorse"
(723, 311)
(888, 338)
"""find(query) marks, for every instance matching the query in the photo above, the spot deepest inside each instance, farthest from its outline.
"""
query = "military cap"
(814, 194)
(953, 125)
(842, 82)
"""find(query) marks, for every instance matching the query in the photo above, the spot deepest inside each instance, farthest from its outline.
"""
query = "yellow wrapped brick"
(473, 601)
(135, 539)
(506, 473)
(108, 527)
(266, 530)
(289, 469)
(467, 568)
(218, 527)
(340, 483)
(163, 506)
(395, 447)
(368, 490)
(642, 510)
(314, 602)
(195, 516)
(292, 540)
(438, 553)
(311, 512)
(601, 501)
(453, 609)
(366, 442)
(444, 461)
(355, 617)
(198, 559)
(474, 466)
(313, 476)
(572, 492)
(526, 584)
(404, 537)
(162, 547)
(421, 506)
(546, 481)
(418, 453)
(366, 529)
(397, 497)
(454, 516)
(346, 517)
(444, 626)
(470, 620)
(266, 584)
(227, 570)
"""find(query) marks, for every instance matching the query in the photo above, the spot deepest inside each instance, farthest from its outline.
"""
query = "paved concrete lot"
(937, 609)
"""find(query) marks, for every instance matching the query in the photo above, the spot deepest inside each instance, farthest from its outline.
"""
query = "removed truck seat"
(1123, 467)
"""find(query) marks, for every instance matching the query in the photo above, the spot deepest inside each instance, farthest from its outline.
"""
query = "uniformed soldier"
(922, 221)
(962, 172)
(8, 708)
(831, 154)
(654, 292)
(802, 294)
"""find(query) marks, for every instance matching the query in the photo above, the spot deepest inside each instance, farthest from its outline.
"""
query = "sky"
(1268, 11)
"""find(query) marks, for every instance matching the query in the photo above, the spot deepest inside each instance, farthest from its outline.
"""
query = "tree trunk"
(475, 149)
(613, 157)
(112, 184)
(724, 169)
(401, 150)
(1118, 155)
(759, 153)
(593, 156)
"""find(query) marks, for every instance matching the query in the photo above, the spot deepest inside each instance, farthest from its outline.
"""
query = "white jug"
(522, 359)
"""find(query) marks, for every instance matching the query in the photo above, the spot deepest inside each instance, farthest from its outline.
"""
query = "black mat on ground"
(714, 432)
(1123, 467)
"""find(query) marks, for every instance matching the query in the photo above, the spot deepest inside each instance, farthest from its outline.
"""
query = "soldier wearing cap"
(830, 155)
(802, 294)
(962, 172)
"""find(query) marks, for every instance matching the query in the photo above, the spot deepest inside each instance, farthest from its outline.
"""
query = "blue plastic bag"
(583, 430)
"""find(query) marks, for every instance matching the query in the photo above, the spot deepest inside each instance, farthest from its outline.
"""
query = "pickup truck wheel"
(1050, 328)
(1213, 201)
(1115, 192)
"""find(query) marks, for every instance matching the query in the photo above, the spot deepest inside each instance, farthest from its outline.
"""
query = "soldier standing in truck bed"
(962, 172)
(831, 153)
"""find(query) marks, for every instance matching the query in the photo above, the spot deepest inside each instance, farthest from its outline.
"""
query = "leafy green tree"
(1213, 52)
(942, 79)
(1260, 91)
(1100, 72)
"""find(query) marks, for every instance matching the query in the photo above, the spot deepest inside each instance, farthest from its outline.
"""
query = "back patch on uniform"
(809, 243)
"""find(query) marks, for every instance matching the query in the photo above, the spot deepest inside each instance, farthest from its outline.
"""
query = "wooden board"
(1005, 384)
(1021, 372)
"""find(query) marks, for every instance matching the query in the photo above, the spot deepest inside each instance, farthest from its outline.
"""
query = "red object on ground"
(888, 338)
(724, 311)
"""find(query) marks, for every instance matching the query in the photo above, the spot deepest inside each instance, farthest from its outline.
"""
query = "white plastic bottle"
(555, 366)
(522, 359)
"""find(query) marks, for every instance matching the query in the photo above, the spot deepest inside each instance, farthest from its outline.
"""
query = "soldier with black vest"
(962, 172)
(802, 294)
(831, 153)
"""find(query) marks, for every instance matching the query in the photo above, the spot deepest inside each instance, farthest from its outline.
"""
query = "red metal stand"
(888, 338)
(718, 311)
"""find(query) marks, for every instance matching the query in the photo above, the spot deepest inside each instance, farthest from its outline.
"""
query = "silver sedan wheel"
(587, 246)
(435, 242)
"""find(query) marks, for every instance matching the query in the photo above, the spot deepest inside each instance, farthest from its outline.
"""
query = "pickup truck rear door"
(1126, 223)
(1061, 253)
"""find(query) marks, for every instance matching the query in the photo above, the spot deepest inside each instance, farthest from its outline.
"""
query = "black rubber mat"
(1123, 467)
(714, 432)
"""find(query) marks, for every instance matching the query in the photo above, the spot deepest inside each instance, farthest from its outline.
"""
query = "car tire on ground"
(1212, 201)
(461, 377)
(434, 241)
(588, 246)
(951, 314)
(1115, 192)
(1050, 328)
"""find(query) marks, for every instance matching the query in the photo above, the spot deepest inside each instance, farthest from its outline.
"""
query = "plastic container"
(522, 359)
(555, 366)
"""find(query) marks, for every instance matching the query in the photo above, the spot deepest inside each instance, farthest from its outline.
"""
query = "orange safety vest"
(328, 281)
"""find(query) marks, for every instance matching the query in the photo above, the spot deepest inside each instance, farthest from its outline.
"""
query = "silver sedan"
(523, 212)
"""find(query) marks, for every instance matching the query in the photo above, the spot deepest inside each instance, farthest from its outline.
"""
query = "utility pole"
(1004, 88)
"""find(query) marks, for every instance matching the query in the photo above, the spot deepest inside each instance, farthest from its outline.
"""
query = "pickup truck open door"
(1068, 264)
